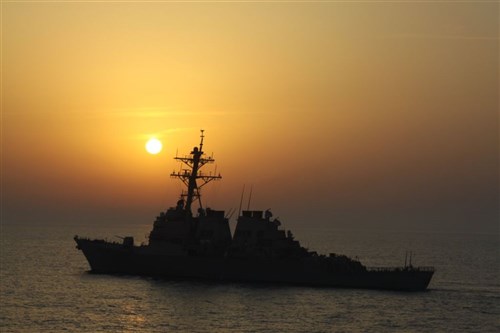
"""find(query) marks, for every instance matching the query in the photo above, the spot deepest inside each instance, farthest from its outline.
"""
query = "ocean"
(45, 286)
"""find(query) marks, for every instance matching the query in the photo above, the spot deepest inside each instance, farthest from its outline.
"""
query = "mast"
(190, 176)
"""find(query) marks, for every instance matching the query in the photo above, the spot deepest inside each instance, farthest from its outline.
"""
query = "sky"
(367, 115)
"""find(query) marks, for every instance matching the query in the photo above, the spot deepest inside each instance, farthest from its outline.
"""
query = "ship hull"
(114, 258)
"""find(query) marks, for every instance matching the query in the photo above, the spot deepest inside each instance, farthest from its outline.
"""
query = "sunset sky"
(363, 114)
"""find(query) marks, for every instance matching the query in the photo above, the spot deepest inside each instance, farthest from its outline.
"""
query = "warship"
(184, 245)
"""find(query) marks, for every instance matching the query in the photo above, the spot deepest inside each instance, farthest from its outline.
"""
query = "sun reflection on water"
(131, 318)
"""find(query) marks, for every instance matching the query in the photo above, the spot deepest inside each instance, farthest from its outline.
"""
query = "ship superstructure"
(207, 233)
(186, 245)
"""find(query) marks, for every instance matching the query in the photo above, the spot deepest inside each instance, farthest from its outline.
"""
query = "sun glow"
(153, 146)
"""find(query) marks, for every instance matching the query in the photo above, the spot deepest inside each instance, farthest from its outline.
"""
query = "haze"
(364, 115)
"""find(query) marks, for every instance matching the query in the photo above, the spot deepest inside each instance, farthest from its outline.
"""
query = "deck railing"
(407, 268)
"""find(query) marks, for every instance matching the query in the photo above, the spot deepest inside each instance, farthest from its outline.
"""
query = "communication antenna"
(250, 197)
(229, 214)
(201, 136)
(241, 200)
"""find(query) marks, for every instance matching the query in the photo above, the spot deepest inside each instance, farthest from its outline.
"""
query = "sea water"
(46, 287)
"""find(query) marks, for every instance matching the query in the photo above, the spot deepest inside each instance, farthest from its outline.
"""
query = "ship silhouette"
(183, 245)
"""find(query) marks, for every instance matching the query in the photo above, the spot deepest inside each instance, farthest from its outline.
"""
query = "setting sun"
(153, 146)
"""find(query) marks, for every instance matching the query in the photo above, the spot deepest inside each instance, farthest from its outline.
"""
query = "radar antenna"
(195, 161)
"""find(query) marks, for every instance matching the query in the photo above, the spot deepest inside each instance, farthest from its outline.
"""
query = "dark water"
(45, 287)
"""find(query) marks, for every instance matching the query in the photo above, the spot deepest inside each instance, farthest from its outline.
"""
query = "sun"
(153, 146)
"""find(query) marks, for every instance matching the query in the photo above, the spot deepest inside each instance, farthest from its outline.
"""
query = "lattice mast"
(190, 176)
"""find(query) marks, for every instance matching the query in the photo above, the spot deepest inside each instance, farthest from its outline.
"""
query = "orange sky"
(380, 115)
